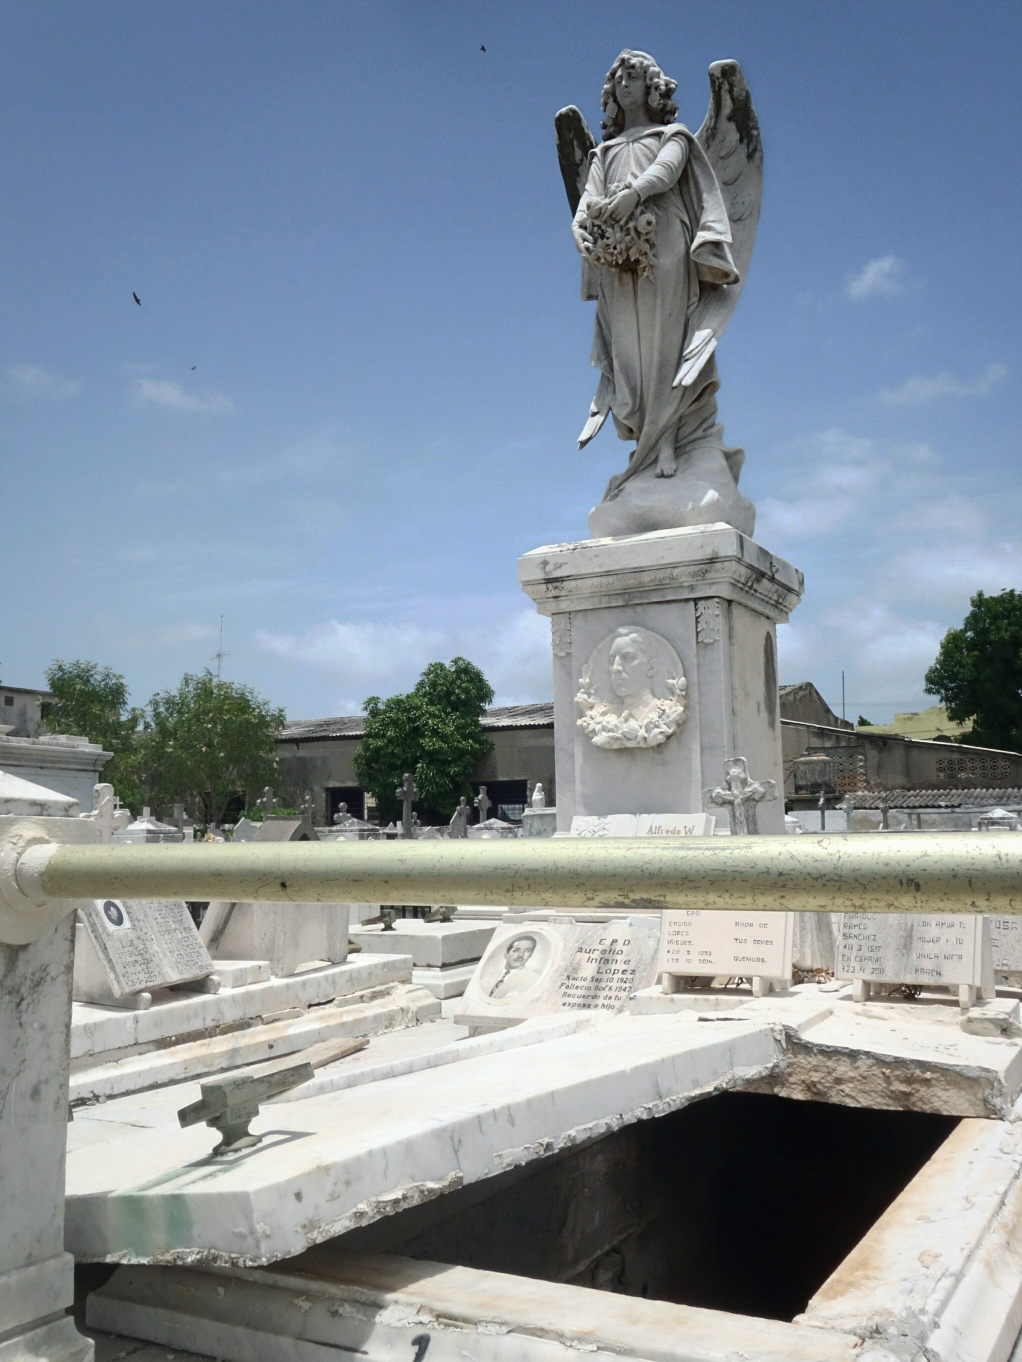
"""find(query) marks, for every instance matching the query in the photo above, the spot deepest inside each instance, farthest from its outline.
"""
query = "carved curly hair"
(659, 89)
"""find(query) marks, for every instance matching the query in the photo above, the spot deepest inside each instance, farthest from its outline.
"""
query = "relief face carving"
(632, 692)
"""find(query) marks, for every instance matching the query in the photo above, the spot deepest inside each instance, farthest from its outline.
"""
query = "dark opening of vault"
(743, 1202)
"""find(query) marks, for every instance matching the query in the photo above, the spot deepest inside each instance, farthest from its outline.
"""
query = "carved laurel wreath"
(611, 730)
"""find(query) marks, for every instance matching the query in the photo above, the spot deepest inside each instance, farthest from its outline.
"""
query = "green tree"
(93, 701)
(206, 741)
(433, 732)
(978, 671)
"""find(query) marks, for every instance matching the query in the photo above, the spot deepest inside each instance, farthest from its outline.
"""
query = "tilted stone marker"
(124, 949)
(482, 802)
(459, 819)
(533, 968)
(697, 946)
(901, 949)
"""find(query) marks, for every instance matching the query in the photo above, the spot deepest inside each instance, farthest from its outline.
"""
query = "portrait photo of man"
(519, 972)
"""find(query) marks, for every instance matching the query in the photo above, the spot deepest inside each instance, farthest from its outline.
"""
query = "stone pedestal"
(36, 1274)
(691, 613)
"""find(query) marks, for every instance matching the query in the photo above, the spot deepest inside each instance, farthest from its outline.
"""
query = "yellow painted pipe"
(862, 872)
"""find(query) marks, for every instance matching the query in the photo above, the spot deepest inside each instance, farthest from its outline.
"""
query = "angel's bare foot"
(666, 464)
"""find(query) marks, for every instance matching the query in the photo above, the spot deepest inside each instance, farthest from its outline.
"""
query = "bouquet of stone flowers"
(628, 245)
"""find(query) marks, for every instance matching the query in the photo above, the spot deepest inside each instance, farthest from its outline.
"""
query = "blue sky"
(350, 398)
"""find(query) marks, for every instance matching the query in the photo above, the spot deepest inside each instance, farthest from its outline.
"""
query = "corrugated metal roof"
(936, 799)
(540, 715)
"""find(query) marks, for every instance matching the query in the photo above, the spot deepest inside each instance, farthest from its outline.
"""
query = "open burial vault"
(639, 1186)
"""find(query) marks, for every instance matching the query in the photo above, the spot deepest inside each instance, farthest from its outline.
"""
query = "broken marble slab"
(430, 944)
(126, 948)
(329, 1163)
(363, 1014)
(386, 1306)
(698, 945)
(916, 950)
(110, 1032)
(534, 967)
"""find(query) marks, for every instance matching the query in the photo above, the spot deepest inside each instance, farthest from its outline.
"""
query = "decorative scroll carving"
(708, 621)
(560, 635)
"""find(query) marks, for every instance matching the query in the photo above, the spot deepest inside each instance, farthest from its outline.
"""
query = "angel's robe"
(642, 325)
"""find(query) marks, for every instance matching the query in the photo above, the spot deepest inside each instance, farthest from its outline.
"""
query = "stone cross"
(408, 794)
(267, 803)
(740, 795)
(459, 823)
(885, 809)
(821, 804)
(482, 802)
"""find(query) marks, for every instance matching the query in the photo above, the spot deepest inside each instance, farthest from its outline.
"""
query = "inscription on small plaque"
(145, 943)
(702, 944)
(906, 949)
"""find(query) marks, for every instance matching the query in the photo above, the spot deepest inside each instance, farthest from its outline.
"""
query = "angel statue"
(665, 222)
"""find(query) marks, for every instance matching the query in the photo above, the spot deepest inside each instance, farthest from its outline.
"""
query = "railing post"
(36, 965)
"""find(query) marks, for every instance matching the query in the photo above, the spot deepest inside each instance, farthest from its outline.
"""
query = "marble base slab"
(238, 973)
(100, 1031)
(362, 1014)
(359, 1154)
(430, 944)
(449, 982)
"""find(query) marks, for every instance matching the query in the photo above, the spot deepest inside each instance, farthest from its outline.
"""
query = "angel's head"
(656, 87)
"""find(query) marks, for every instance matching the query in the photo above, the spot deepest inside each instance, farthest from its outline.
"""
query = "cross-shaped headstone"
(740, 795)
(267, 802)
(482, 802)
(885, 809)
(408, 794)
(821, 804)
(459, 822)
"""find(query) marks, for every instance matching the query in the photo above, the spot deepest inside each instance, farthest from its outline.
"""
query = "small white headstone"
(531, 969)
(698, 944)
(917, 950)
(1006, 941)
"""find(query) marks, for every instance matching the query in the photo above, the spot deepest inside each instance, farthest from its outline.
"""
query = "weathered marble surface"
(433, 944)
(356, 1154)
(288, 935)
(899, 948)
(753, 945)
(124, 948)
(714, 597)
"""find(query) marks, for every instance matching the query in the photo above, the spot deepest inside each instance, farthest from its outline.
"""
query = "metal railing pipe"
(871, 873)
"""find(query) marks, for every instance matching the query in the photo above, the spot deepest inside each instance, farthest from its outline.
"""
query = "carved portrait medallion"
(632, 692)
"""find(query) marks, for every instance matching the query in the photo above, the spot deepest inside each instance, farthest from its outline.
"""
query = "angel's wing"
(574, 143)
(730, 137)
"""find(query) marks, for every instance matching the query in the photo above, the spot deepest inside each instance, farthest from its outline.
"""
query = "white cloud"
(163, 392)
(843, 471)
(30, 382)
(950, 574)
(513, 651)
(918, 390)
(881, 278)
(952, 515)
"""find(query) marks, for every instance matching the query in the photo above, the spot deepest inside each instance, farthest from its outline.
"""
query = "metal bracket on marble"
(228, 1105)
(444, 913)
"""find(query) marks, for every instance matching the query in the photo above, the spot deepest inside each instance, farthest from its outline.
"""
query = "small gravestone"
(459, 819)
(536, 968)
(1006, 943)
(125, 949)
(903, 950)
(698, 946)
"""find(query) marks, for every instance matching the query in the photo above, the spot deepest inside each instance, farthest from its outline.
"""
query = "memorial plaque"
(1006, 941)
(609, 825)
(674, 825)
(905, 948)
(531, 969)
(702, 944)
(144, 944)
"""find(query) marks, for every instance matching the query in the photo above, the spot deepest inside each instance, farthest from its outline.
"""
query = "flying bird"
(481, 48)
(193, 368)
(136, 298)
